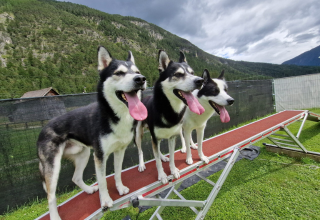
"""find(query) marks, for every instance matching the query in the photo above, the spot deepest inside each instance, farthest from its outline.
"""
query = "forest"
(47, 43)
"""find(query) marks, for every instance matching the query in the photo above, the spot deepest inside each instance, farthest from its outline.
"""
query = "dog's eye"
(119, 73)
(192, 73)
(179, 74)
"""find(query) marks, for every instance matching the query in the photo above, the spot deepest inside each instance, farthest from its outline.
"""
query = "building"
(40, 93)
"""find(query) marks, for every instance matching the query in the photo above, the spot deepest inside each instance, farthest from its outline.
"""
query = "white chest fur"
(120, 137)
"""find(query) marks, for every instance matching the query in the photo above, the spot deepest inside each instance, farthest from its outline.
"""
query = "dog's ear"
(130, 57)
(163, 61)
(205, 76)
(182, 58)
(221, 75)
(104, 58)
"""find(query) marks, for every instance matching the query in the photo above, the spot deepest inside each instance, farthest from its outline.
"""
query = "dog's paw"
(193, 146)
(91, 189)
(122, 190)
(189, 160)
(163, 178)
(142, 167)
(164, 159)
(175, 172)
(106, 203)
(205, 159)
(183, 150)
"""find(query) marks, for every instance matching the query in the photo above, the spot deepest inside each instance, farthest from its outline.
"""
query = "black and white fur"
(106, 126)
(213, 93)
(166, 109)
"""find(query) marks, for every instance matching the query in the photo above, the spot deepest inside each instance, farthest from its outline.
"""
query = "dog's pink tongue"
(193, 103)
(224, 115)
(137, 110)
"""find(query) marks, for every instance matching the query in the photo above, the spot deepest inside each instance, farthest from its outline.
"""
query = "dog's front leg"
(100, 166)
(162, 157)
(183, 143)
(162, 176)
(200, 132)
(187, 135)
(138, 139)
(192, 144)
(173, 169)
(118, 159)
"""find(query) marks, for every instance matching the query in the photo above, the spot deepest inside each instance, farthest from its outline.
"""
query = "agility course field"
(273, 186)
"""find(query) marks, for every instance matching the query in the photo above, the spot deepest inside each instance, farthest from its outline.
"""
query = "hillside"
(46, 43)
(309, 58)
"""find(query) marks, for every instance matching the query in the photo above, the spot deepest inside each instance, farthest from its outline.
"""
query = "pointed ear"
(221, 75)
(205, 76)
(130, 57)
(182, 58)
(104, 58)
(163, 61)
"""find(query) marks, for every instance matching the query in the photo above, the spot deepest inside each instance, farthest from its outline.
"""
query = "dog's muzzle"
(198, 82)
(139, 80)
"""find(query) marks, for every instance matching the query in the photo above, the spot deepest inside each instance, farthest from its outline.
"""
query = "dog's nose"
(230, 101)
(140, 80)
(198, 81)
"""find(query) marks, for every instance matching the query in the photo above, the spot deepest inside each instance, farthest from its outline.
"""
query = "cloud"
(260, 31)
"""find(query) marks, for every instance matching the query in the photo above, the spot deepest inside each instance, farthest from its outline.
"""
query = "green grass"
(272, 186)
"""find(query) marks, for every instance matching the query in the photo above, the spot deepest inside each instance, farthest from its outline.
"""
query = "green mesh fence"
(21, 121)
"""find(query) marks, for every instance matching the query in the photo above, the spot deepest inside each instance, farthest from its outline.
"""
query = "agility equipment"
(144, 186)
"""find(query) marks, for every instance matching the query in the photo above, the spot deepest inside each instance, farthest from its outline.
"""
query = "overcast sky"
(269, 31)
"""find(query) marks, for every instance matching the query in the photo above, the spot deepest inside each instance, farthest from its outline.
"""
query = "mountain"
(45, 43)
(309, 58)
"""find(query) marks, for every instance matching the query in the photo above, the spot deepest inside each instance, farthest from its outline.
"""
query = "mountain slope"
(309, 58)
(47, 43)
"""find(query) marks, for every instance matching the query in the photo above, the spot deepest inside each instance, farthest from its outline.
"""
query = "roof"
(39, 93)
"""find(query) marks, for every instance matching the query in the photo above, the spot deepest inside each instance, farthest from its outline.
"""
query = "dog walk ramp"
(284, 139)
(145, 185)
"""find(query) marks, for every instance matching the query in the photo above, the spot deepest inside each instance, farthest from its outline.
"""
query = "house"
(40, 93)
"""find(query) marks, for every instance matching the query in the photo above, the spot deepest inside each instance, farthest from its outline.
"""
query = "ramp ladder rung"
(279, 139)
(282, 135)
(280, 143)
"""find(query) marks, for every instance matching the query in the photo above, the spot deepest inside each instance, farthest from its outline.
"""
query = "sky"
(268, 31)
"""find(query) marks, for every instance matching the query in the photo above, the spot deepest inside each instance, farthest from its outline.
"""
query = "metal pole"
(304, 120)
(295, 139)
(219, 184)
(156, 214)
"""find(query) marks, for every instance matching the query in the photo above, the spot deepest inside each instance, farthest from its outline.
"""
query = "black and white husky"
(172, 94)
(107, 126)
(213, 97)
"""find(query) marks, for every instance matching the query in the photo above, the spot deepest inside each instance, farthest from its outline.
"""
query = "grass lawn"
(272, 186)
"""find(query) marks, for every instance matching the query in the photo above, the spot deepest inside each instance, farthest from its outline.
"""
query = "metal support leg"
(205, 179)
(295, 139)
(300, 129)
(181, 197)
(156, 214)
(219, 184)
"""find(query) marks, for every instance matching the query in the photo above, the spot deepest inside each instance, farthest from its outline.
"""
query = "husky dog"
(171, 96)
(213, 97)
(107, 126)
